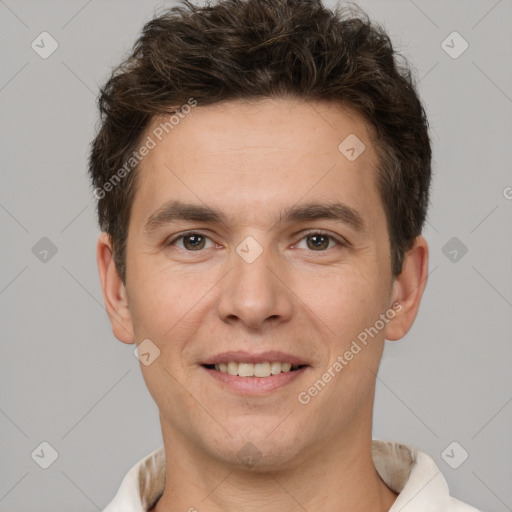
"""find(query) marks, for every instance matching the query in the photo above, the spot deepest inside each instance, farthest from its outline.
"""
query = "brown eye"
(321, 241)
(318, 242)
(193, 242)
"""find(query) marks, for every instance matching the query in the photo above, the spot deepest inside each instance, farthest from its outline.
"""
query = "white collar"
(404, 469)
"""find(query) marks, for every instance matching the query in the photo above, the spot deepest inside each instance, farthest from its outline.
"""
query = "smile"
(261, 370)
(254, 379)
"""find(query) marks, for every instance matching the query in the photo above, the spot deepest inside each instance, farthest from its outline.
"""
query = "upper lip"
(246, 357)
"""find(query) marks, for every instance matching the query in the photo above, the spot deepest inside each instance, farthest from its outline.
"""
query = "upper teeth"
(265, 369)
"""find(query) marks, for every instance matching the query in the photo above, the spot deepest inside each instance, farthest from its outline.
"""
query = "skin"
(253, 160)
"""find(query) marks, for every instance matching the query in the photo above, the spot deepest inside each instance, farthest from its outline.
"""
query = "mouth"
(259, 377)
(261, 370)
(255, 374)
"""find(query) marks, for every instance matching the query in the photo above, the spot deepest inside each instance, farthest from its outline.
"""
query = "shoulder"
(417, 479)
(142, 485)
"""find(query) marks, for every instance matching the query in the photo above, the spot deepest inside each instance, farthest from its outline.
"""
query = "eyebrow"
(179, 210)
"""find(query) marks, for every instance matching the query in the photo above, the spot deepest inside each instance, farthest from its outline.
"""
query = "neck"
(338, 474)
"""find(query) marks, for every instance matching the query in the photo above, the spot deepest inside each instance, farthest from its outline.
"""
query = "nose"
(256, 293)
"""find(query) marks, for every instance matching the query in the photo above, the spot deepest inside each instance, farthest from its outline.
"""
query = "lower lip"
(256, 385)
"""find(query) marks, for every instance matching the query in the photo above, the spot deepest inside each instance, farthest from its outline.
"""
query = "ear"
(114, 291)
(408, 290)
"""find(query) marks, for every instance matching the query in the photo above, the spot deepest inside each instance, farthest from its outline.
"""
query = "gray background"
(66, 380)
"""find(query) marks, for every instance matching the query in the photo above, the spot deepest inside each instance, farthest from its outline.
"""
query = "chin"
(258, 451)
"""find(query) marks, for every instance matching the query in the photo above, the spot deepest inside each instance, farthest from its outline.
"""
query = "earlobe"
(114, 291)
(408, 290)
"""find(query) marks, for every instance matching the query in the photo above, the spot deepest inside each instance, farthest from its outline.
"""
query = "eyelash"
(339, 240)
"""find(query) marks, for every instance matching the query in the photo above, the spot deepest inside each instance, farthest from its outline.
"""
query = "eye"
(191, 241)
(319, 241)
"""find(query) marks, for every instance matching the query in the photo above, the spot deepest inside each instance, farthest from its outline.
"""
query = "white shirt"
(405, 470)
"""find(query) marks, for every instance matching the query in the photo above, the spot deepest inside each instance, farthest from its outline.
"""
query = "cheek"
(345, 301)
(169, 308)
(350, 305)
(156, 304)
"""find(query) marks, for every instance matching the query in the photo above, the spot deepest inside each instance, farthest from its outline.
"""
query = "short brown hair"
(242, 49)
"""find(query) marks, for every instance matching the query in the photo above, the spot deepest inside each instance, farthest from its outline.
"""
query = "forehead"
(250, 158)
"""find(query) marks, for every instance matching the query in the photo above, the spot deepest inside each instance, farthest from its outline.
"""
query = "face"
(251, 232)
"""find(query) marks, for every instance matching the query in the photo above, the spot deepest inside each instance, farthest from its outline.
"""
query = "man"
(262, 173)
